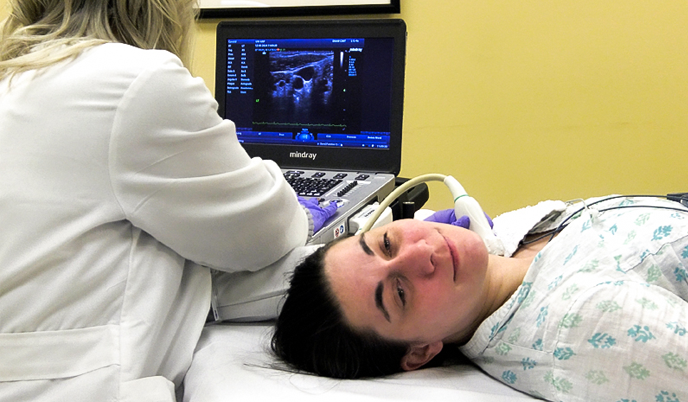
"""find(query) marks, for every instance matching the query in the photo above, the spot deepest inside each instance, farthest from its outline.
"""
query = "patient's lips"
(454, 257)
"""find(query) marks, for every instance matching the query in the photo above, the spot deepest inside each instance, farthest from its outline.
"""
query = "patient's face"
(410, 280)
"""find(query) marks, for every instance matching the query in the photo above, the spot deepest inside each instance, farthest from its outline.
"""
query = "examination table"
(233, 363)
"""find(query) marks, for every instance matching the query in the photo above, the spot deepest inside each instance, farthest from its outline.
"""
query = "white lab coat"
(119, 186)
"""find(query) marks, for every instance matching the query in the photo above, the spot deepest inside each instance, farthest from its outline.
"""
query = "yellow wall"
(527, 100)
(537, 99)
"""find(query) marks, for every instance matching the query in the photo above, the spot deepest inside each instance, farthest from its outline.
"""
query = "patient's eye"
(386, 244)
(401, 293)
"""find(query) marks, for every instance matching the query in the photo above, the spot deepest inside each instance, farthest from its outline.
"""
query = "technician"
(119, 186)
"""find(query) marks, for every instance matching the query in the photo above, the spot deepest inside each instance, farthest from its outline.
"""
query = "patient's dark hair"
(311, 333)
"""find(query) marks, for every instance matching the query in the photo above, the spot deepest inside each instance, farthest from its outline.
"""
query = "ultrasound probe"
(463, 205)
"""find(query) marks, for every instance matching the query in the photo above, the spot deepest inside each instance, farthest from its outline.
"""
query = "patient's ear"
(419, 355)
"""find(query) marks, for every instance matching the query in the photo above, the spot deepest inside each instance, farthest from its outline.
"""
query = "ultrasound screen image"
(308, 92)
(303, 84)
(324, 92)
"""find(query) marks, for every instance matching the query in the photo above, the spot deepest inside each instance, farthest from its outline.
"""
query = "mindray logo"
(302, 155)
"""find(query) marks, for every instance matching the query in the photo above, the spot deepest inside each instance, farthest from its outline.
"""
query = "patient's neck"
(504, 276)
(508, 273)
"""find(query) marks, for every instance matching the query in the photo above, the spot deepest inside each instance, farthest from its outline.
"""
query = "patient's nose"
(416, 259)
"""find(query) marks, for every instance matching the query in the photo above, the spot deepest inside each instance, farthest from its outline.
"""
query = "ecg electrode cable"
(586, 206)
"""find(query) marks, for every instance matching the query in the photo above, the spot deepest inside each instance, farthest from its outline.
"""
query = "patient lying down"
(598, 312)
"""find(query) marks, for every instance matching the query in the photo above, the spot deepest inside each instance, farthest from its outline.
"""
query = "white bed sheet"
(232, 363)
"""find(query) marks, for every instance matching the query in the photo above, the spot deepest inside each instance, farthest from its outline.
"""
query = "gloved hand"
(448, 216)
(318, 213)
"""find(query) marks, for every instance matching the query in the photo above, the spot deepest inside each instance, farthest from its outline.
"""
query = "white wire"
(396, 193)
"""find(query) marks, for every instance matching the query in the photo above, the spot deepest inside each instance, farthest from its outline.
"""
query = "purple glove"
(448, 216)
(319, 214)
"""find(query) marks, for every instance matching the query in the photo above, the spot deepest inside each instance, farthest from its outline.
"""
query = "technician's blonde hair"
(39, 33)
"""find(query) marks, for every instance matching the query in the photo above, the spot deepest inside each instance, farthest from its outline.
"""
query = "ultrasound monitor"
(315, 93)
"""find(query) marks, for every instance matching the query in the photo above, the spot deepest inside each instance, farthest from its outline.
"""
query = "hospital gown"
(602, 313)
